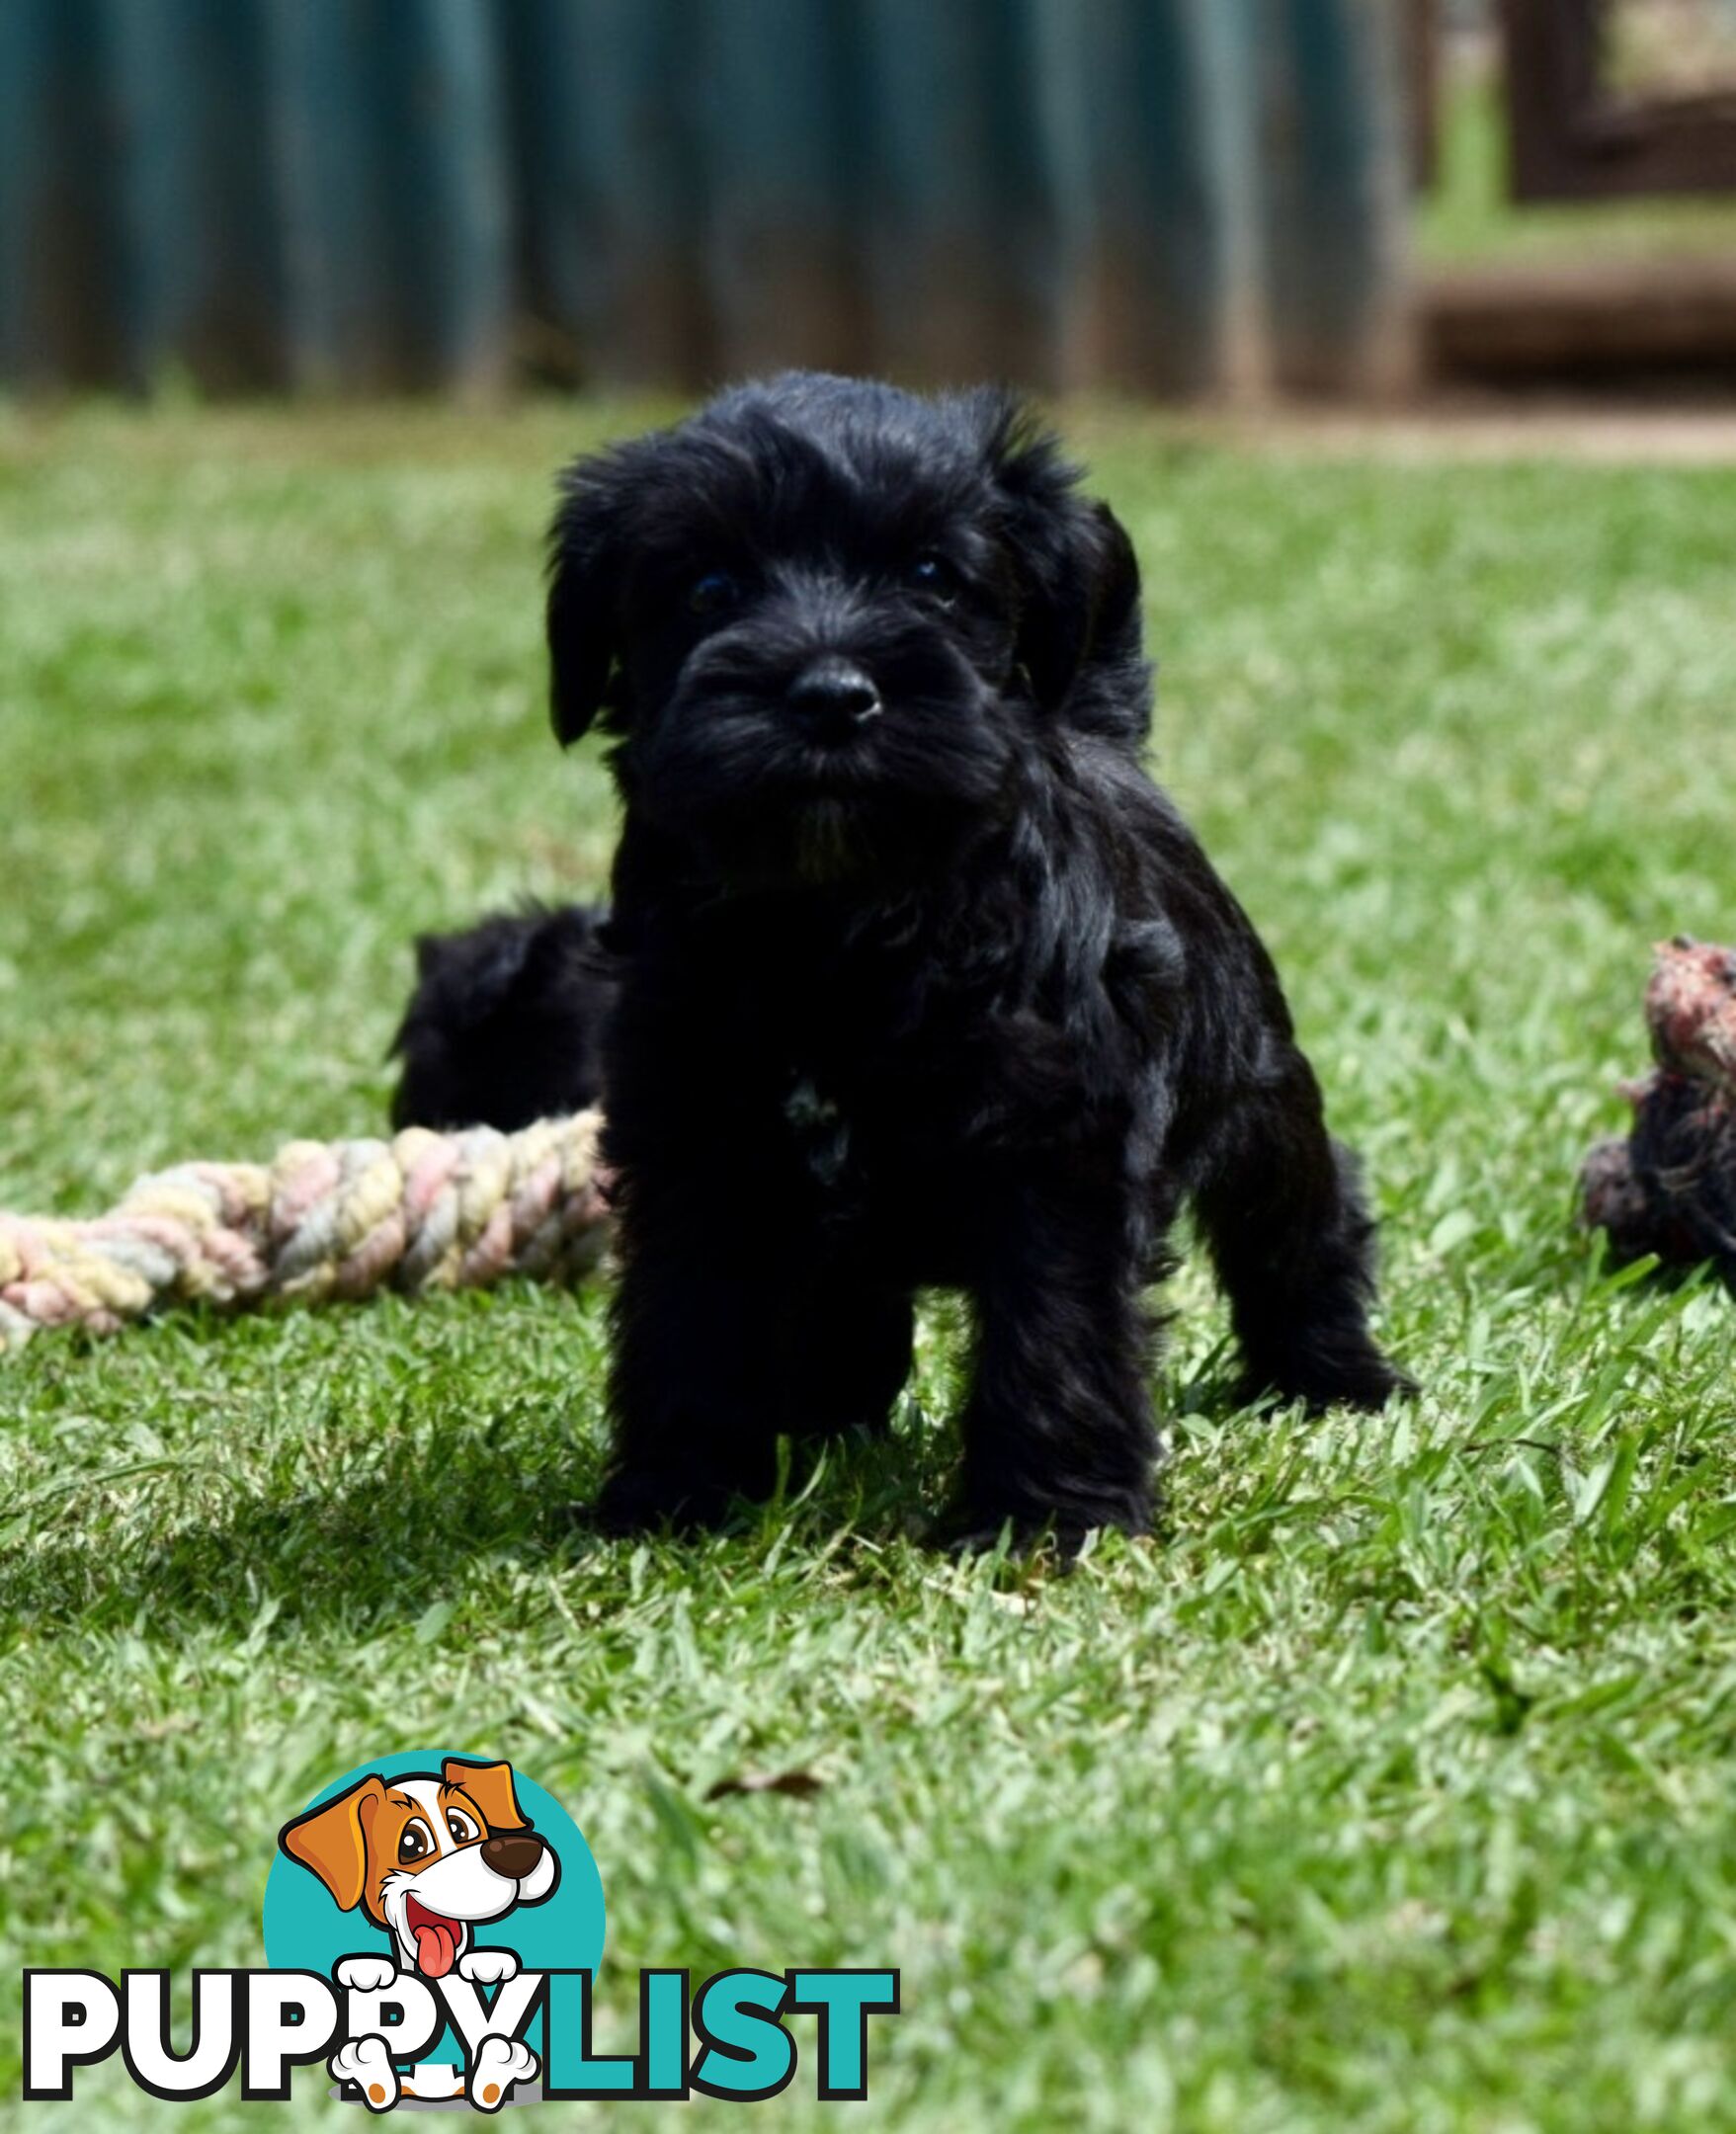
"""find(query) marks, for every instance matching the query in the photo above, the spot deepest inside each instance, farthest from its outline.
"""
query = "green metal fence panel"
(1185, 196)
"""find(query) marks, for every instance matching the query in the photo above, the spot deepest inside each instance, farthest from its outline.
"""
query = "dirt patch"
(1601, 433)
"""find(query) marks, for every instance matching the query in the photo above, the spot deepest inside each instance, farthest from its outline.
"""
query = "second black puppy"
(505, 1022)
(922, 979)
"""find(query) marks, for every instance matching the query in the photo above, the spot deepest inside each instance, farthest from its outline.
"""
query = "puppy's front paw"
(640, 1499)
(488, 1966)
(368, 2064)
(500, 2063)
(972, 1527)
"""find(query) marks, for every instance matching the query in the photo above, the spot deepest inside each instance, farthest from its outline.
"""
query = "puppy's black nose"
(834, 697)
(514, 1854)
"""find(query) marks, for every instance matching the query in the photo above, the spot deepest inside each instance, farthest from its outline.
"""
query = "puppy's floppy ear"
(332, 1840)
(1079, 578)
(491, 1786)
(583, 590)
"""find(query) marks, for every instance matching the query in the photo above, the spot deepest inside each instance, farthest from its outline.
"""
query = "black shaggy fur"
(922, 979)
(505, 1022)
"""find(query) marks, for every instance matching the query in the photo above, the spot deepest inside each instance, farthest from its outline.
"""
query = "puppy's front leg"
(1057, 1429)
(694, 1376)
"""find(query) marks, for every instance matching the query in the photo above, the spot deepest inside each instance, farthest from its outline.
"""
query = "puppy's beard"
(828, 841)
(763, 805)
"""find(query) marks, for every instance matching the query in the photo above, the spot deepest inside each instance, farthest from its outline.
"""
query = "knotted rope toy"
(1670, 1187)
(340, 1219)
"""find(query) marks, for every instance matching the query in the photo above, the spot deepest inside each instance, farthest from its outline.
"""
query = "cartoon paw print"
(488, 1966)
(500, 2063)
(367, 2063)
(367, 1974)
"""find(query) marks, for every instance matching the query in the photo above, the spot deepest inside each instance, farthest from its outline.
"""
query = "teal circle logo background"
(305, 1931)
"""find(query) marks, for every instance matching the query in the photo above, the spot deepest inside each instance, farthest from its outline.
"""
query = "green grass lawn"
(1394, 1786)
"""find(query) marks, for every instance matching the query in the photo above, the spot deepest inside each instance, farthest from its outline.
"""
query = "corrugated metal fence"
(372, 194)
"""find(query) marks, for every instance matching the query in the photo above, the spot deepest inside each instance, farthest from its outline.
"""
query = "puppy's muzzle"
(512, 1853)
(833, 698)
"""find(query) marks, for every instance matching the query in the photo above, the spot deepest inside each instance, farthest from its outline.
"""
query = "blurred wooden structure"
(1583, 323)
(1422, 83)
(1175, 196)
(1575, 138)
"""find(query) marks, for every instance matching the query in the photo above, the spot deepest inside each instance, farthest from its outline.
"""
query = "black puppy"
(505, 1025)
(923, 981)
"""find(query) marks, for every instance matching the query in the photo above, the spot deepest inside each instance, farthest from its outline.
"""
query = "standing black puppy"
(922, 979)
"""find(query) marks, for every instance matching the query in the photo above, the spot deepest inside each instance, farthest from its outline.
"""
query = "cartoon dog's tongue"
(436, 1940)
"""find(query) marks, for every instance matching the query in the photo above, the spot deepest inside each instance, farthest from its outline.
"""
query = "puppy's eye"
(461, 1826)
(714, 592)
(933, 575)
(415, 1843)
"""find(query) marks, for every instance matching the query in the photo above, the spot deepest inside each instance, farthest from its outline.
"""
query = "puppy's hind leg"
(1283, 1211)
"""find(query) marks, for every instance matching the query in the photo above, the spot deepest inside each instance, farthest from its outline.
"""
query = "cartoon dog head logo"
(427, 1946)
(438, 1893)
(428, 1857)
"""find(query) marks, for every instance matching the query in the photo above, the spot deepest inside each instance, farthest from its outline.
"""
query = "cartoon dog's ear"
(583, 590)
(491, 1786)
(1079, 578)
(332, 1840)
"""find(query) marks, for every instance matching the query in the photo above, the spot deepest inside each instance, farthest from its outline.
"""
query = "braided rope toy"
(339, 1219)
